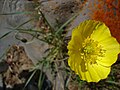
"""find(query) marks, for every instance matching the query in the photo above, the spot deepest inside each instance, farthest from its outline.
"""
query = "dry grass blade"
(29, 79)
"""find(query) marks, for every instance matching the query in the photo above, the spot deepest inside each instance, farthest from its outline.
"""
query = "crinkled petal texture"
(94, 67)
(110, 44)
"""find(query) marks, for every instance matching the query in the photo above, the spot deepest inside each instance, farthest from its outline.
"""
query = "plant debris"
(18, 62)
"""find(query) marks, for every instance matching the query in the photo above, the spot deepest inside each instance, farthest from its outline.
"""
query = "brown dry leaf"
(73, 86)
(18, 61)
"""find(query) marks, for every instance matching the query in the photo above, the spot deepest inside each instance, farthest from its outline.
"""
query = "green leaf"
(24, 23)
(5, 34)
(41, 79)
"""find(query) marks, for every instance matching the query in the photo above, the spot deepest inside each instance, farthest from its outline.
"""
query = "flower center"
(91, 51)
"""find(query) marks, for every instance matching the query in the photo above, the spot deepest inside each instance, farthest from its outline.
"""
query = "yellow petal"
(97, 72)
(94, 76)
(88, 77)
(85, 29)
(74, 44)
(74, 61)
(81, 73)
(103, 37)
(107, 61)
(101, 32)
(88, 27)
(101, 71)
(112, 48)
(110, 43)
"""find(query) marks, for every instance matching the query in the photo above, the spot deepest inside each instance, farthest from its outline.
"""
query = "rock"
(58, 12)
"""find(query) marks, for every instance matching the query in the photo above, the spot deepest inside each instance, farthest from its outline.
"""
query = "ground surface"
(23, 54)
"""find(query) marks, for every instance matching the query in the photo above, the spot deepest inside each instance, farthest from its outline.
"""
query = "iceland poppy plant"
(92, 50)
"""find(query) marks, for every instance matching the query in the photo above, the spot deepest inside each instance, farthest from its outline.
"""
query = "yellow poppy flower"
(92, 50)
